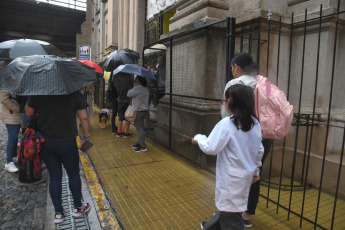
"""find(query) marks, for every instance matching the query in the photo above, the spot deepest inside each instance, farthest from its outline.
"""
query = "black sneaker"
(137, 145)
(247, 223)
(119, 134)
(203, 224)
(140, 149)
(126, 135)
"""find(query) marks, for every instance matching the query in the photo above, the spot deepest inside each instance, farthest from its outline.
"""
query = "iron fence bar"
(295, 213)
(227, 58)
(241, 44)
(329, 112)
(299, 111)
(194, 97)
(301, 22)
(340, 167)
(313, 117)
(250, 40)
(103, 82)
(338, 181)
(267, 61)
(167, 39)
(304, 153)
(170, 102)
(279, 37)
(259, 47)
(284, 142)
(230, 46)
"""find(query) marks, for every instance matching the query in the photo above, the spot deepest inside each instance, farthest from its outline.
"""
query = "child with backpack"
(244, 71)
(236, 140)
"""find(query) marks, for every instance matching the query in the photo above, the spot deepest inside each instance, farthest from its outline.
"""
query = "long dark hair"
(242, 105)
(245, 61)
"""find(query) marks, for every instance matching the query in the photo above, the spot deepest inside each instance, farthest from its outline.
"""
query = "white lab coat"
(239, 158)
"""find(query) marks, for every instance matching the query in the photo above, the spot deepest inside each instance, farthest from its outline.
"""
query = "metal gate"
(304, 58)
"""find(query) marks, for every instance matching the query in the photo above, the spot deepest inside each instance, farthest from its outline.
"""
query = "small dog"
(104, 116)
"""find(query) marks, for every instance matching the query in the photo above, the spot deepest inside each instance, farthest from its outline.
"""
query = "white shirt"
(247, 80)
(239, 158)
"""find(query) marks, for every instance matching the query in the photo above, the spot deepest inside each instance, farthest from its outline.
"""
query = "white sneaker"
(10, 167)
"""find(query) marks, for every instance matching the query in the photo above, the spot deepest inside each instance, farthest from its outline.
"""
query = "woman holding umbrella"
(139, 95)
(10, 116)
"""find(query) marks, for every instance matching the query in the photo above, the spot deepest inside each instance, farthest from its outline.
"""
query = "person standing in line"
(236, 140)
(244, 72)
(112, 97)
(56, 121)
(10, 116)
(139, 95)
(123, 82)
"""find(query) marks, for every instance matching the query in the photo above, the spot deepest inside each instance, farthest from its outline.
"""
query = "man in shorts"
(123, 82)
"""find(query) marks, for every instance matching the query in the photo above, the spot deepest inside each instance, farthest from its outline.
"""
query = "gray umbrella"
(134, 69)
(45, 75)
(24, 47)
(120, 57)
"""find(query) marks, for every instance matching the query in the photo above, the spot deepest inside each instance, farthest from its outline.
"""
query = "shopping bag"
(130, 114)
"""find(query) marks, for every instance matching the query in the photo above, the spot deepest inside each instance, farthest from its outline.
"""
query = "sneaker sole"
(81, 214)
(11, 171)
(58, 221)
(141, 150)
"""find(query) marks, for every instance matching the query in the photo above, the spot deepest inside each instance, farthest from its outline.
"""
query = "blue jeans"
(56, 154)
(11, 149)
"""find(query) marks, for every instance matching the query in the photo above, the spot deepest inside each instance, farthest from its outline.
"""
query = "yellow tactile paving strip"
(158, 190)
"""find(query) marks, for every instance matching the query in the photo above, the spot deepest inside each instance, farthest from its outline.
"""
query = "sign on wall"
(84, 52)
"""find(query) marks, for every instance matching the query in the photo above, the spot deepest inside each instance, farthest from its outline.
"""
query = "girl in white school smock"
(236, 140)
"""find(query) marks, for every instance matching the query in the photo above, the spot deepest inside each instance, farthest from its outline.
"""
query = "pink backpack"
(272, 109)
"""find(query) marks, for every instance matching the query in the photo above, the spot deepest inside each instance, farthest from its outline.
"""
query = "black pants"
(225, 221)
(254, 191)
(113, 116)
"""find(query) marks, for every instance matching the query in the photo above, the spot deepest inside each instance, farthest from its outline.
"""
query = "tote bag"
(130, 114)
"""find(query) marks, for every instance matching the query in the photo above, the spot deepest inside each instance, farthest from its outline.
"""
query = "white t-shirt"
(247, 80)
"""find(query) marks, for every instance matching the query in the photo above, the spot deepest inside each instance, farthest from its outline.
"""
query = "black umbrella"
(45, 75)
(120, 57)
(25, 47)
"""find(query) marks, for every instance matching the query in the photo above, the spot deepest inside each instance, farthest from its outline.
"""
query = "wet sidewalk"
(127, 190)
(159, 190)
(29, 207)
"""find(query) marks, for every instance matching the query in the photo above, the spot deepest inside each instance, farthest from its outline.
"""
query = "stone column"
(188, 115)
(191, 14)
(112, 34)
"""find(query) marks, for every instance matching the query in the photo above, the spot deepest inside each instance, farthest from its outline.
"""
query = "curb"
(106, 217)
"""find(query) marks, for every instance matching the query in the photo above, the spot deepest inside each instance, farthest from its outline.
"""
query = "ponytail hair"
(245, 61)
(242, 105)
